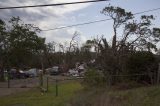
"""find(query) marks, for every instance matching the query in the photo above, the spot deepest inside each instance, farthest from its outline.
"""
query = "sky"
(53, 17)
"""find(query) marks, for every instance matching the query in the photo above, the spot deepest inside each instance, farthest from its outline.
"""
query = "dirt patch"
(18, 85)
(10, 91)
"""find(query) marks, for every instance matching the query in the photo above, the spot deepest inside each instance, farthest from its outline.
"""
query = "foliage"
(19, 42)
(141, 62)
(94, 78)
(137, 35)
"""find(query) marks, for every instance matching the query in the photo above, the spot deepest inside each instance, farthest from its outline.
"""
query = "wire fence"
(20, 83)
(46, 82)
(106, 81)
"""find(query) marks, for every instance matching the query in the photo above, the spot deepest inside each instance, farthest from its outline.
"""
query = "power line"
(97, 21)
(46, 5)
(77, 25)
(155, 9)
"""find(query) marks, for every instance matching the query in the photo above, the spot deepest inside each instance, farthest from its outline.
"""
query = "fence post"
(47, 84)
(158, 75)
(41, 80)
(109, 80)
(8, 81)
(56, 87)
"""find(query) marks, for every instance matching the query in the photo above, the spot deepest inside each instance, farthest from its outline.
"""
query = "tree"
(73, 44)
(20, 43)
(23, 42)
(137, 35)
(49, 51)
(143, 62)
(72, 50)
(2, 48)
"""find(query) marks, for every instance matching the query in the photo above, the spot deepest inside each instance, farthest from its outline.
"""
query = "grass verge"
(143, 96)
(34, 97)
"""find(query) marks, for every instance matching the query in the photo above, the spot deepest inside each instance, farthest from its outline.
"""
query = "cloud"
(64, 35)
(46, 17)
(55, 10)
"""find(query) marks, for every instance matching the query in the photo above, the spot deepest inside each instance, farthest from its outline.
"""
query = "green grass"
(144, 96)
(73, 94)
(35, 98)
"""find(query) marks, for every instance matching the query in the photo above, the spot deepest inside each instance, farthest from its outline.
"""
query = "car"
(17, 74)
(23, 74)
(54, 70)
(47, 71)
(32, 72)
(13, 74)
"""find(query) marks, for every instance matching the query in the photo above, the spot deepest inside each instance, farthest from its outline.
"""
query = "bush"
(142, 63)
(94, 78)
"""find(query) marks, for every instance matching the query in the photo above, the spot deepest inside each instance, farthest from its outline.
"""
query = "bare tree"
(73, 43)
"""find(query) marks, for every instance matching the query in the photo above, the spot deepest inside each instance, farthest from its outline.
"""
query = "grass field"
(73, 94)
(34, 97)
(143, 96)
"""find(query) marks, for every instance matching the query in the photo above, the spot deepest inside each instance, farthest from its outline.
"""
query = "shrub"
(142, 63)
(94, 78)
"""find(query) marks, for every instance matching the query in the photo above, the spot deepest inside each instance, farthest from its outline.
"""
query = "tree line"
(22, 48)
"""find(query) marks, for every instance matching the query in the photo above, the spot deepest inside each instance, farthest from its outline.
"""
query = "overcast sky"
(52, 17)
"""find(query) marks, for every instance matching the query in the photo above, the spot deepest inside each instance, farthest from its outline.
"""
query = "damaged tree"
(136, 35)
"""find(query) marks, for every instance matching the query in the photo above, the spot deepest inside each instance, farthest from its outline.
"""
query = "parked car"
(55, 70)
(22, 74)
(17, 74)
(13, 74)
(32, 72)
(47, 71)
